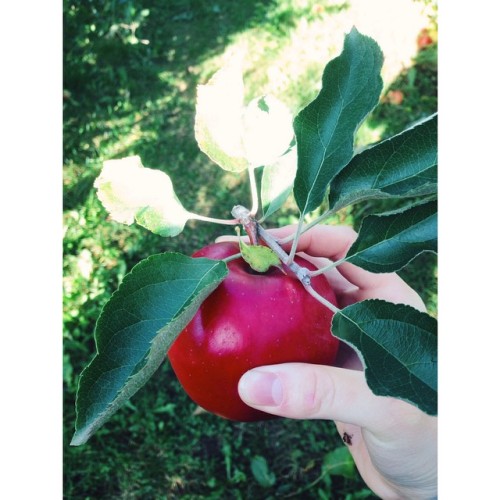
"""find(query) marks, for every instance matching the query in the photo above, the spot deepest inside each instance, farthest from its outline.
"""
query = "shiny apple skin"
(250, 320)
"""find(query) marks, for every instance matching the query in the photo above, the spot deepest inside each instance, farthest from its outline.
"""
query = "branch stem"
(227, 222)
(302, 273)
(253, 190)
(321, 299)
(296, 237)
(305, 228)
(327, 268)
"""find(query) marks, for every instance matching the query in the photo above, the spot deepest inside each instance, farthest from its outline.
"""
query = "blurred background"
(130, 75)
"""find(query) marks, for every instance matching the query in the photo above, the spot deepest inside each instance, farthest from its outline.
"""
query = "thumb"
(306, 391)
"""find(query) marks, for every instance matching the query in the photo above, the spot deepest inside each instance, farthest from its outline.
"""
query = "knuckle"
(317, 398)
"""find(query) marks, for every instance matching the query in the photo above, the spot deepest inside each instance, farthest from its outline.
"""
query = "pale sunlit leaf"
(277, 182)
(129, 192)
(267, 130)
(218, 121)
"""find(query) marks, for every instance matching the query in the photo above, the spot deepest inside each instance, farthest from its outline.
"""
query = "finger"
(385, 286)
(365, 280)
(347, 357)
(340, 284)
(306, 391)
(331, 242)
(281, 232)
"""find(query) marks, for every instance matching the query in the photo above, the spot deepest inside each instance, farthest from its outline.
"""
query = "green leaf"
(154, 302)
(339, 462)
(403, 166)
(129, 191)
(261, 472)
(388, 242)
(325, 128)
(398, 347)
(277, 182)
(159, 222)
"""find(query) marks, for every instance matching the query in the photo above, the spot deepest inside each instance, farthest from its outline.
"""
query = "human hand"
(393, 443)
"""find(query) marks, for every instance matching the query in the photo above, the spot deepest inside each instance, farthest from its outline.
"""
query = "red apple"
(251, 319)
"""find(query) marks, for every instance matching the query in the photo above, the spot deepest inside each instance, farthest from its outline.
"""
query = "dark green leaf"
(388, 242)
(261, 472)
(398, 347)
(325, 128)
(403, 166)
(135, 330)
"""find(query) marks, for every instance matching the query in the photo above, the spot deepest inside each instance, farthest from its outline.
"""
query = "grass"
(130, 76)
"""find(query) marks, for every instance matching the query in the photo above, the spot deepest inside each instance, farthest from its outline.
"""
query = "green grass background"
(130, 75)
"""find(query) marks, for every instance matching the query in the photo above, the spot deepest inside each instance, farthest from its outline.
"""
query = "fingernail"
(261, 388)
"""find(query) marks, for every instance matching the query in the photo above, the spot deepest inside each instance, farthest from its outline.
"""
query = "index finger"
(331, 242)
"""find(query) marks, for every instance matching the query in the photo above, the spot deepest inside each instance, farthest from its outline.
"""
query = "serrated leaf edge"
(397, 211)
(426, 189)
(159, 345)
(341, 313)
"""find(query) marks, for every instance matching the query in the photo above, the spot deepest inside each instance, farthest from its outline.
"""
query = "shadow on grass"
(135, 66)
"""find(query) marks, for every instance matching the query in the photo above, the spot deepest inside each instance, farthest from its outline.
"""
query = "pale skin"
(393, 443)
